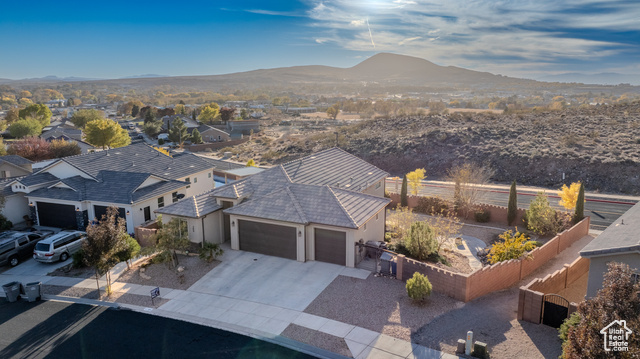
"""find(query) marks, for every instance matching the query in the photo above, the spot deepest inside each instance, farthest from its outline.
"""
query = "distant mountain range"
(604, 78)
(380, 70)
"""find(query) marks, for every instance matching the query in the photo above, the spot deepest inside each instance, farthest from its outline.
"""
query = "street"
(603, 209)
(51, 329)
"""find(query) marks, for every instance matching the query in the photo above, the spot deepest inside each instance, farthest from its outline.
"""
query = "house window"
(3, 174)
(377, 216)
(219, 138)
(188, 180)
(174, 197)
(365, 226)
(209, 174)
(160, 202)
(378, 185)
(195, 179)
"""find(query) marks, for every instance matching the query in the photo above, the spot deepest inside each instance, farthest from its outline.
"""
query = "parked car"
(15, 246)
(59, 247)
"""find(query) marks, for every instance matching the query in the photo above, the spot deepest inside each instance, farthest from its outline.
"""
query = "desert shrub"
(512, 246)
(418, 287)
(210, 251)
(160, 141)
(431, 205)
(78, 259)
(482, 215)
(540, 217)
(421, 241)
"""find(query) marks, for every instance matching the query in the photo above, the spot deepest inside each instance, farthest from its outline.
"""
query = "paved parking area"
(271, 280)
(32, 267)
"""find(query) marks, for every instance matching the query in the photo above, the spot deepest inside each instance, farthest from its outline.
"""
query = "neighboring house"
(138, 179)
(620, 242)
(62, 132)
(210, 134)
(314, 208)
(188, 121)
(237, 129)
(14, 166)
(225, 171)
(15, 205)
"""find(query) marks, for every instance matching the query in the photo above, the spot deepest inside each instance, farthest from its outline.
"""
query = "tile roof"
(618, 238)
(222, 164)
(304, 204)
(111, 187)
(138, 158)
(38, 179)
(193, 207)
(255, 186)
(16, 160)
(336, 168)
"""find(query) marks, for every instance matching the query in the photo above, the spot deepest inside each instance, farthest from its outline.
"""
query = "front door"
(147, 214)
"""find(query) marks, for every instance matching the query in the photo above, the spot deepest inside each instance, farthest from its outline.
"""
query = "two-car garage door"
(56, 215)
(281, 241)
(269, 239)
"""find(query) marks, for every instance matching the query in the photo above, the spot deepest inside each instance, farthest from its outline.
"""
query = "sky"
(114, 39)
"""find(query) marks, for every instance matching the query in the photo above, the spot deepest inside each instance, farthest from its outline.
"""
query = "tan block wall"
(496, 277)
(442, 281)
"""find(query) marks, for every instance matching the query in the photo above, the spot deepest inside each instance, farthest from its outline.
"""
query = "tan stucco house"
(314, 208)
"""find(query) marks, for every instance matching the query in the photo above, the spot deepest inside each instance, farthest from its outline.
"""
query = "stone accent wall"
(143, 234)
(33, 215)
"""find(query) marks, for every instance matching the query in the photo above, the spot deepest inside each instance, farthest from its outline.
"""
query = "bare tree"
(469, 178)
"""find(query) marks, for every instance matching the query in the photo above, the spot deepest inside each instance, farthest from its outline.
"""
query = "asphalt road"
(50, 329)
(603, 209)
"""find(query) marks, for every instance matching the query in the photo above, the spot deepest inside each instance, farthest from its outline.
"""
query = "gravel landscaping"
(317, 339)
(379, 304)
(161, 275)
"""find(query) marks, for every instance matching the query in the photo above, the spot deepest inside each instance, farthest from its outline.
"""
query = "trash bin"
(33, 291)
(12, 291)
(385, 263)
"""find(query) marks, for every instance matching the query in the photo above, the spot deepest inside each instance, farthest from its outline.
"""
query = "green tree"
(104, 241)
(3, 150)
(178, 132)
(129, 251)
(61, 148)
(180, 109)
(25, 128)
(415, 180)
(149, 116)
(579, 213)
(512, 246)
(403, 193)
(418, 287)
(152, 129)
(208, 114)
(541, 218)
(421, 241)
(210, 251)
(617, 300)
(12, 116)
(38, 112)
(80, 118)
(196, 137)
(244, 114)
(512, 206)
(106, 134)
(333, 111)
(172, 237)
(135, 110)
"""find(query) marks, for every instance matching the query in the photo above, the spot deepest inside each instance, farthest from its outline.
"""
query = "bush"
(482, 215)
(421, 241)
(5, 224)
(431, 205)
(78, 259)
(540, 217)
(418, 287)
(512, 246)
(210, 251)
(130, 251)
(572, 320)
(160, 141)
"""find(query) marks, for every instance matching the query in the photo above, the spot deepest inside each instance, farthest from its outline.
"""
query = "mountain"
(605, 78)
(143, 76)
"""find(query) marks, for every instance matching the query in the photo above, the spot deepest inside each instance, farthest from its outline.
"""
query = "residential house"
(66, 133)
(227, 171)
(188, 121)
(618, 243)
(210, 134)
(15, 204)
(315, 208)
(237, 129)
(14, 166)
(138, 179)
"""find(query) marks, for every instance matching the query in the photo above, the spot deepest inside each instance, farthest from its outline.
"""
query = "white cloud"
(409, 40)
(357, 23)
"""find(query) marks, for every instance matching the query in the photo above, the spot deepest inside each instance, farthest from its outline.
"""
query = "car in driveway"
(16, 246)
(59, 247)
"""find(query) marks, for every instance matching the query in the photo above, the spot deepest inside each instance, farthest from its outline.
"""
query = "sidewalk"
(254, 319)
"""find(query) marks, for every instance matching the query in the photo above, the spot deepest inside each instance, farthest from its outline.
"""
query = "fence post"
(400, 265)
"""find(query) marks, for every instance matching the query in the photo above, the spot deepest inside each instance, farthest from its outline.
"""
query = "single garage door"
(57, 215)
(331, 246)
(269, 239)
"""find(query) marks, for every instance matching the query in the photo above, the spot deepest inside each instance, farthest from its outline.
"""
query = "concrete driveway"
(31, 267)
(270, 280)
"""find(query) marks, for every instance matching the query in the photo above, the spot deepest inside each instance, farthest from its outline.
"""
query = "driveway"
(271, 280)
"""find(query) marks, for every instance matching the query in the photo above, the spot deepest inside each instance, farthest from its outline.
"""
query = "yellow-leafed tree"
(569, 195)
(106, 134)
(415, 179)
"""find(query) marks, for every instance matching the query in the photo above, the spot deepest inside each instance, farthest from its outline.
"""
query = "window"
(209, 174)
(160, 202)
(377, 216)
(195, 179)
(188, 180)
(365, 226)
(174, 197)
(6, 248)
(3, 174)
(378, 185)
(22, 241)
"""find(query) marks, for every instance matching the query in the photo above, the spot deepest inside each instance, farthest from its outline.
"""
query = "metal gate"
(555, 309)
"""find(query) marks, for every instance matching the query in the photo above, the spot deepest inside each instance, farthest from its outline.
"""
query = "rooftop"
(620, 237)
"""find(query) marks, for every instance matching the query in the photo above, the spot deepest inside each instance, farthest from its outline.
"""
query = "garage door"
(331, 246)
(269, 239)
(57, 215)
